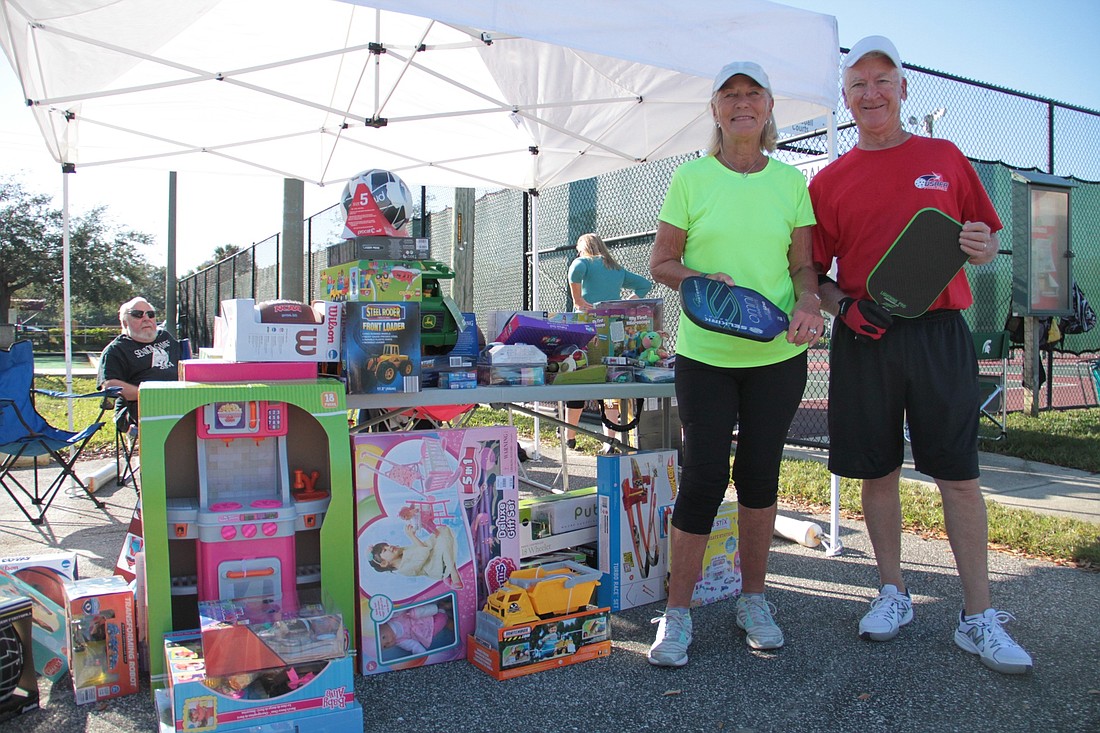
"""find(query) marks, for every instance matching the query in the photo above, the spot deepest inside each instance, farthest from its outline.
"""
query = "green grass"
(1068, 438)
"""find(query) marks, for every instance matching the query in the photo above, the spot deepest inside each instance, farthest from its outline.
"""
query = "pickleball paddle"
(919, 265)
(732, 310)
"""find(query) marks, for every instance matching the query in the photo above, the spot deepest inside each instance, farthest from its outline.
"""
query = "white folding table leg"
(833, 545)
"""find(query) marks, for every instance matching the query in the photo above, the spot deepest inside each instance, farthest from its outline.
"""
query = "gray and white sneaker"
(889, 612)
(754, 616)
(670, 648)
(982, 634)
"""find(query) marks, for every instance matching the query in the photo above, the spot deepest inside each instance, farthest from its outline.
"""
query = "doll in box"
(433, 557)
(416, 630)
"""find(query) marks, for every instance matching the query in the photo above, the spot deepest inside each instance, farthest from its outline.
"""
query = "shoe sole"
(659, 663)
(964, 643)
(885, 636)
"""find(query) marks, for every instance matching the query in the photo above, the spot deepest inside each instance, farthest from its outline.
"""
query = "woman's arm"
(636, 283)
(666, 261)
(807, 323)
(579, 303)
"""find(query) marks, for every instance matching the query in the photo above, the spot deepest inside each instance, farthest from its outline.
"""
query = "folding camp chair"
(25, 433)
(992, 348)
(126, 441)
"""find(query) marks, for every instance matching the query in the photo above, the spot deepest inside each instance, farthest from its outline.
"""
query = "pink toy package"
(437, 521)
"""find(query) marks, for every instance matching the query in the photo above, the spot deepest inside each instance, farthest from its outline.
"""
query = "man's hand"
(867, 319)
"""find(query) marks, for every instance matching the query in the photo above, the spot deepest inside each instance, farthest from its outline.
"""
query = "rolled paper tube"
(807, 534)
(102, 476)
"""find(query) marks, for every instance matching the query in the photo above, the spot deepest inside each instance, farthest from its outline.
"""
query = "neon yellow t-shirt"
(741, 226)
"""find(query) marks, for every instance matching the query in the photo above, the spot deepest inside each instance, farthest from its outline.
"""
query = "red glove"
(867, 319)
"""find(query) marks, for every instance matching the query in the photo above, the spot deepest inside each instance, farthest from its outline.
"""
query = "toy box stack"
(636, 494)
(437, 518)
(18, 685)
(102, 638)
(278, 331)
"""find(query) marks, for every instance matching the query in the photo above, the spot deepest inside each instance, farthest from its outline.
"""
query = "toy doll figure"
(413, 629)
(434, 557)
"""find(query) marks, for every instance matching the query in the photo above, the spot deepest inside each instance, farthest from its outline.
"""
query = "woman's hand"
(807, 323)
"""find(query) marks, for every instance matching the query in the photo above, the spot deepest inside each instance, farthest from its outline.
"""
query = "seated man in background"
(143, 352)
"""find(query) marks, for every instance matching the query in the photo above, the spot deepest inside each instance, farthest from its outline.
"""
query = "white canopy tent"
(507, 93)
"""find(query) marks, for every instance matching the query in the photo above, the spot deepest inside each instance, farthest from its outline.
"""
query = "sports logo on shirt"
(933, 181)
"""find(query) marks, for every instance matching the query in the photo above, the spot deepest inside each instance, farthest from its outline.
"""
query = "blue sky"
(1050, 49)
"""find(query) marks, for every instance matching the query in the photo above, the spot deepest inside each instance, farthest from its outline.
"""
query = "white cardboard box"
(636, 494)
(240, 334)
(557, 521)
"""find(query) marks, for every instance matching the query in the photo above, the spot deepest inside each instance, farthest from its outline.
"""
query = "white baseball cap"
(748, 68)
(870, 44)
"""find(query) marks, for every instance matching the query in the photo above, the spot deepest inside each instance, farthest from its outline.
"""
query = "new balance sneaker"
(670, 648)
(754, 616)
(889, 612)
(982, 634)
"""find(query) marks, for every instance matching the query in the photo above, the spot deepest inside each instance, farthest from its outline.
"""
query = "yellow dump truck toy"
(544, 591)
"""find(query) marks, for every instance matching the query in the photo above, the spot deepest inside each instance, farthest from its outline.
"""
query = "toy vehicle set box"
(382, 348)
(278, 331)
(102, 638)
(541, 619)
(293, 694)
(437, 527)
(636, 494)
(720, 576)
(18, 684)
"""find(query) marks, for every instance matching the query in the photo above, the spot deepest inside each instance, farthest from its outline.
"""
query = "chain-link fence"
(998, 129)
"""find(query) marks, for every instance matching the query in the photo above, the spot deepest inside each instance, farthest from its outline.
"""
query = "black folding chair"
(126, 441)
(992, 349)
(25, 433)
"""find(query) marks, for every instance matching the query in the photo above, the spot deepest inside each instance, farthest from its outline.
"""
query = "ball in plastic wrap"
(392, 196)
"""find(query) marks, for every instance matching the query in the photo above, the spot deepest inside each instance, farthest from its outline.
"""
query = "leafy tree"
(221, 252)
(106, 267)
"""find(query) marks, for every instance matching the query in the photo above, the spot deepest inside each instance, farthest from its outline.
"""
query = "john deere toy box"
(270, 697)
(636, 494)
(382, 348)
(18, 685)
(278, 331)
(437, 518)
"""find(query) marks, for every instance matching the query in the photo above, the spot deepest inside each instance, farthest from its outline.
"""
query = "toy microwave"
(256, 419)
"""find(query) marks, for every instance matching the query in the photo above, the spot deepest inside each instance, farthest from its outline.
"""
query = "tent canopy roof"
(494, 93)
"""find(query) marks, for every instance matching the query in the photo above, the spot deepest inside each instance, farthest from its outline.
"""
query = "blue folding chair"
(25, 433)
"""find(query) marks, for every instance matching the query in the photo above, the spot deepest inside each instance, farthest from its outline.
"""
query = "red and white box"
(247, 331)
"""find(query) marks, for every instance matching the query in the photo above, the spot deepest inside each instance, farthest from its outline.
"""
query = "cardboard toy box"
(380, 248)
(102, 638)
(615, 321)
(382, 348)
(316, 441)
(548, 336)
(218, 370)
(496, 320)
(557, 521)
(281, 695)
(720, 575)
(373, 281)
(524, 649)
(49, 633)
(247, 331)
(447, 501)
(18, 684)
(512, 365)
(45, 572)
(636, 494)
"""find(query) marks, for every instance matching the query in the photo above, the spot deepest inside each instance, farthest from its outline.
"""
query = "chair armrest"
(109, 392)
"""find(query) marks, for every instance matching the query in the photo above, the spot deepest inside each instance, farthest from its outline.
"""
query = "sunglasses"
(142, 314)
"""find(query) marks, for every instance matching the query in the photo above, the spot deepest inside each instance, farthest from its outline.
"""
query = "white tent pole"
(833, 545)
(535, 287)
(65, 292)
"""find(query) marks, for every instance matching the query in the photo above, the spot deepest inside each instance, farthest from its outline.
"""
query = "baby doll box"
(18, 685)
(278, 331)
(278, 697)
(102, 639)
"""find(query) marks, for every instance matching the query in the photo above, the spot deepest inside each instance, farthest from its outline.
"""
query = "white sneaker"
(754, 615)
(982, 634)
(670, 648)
(889, 612)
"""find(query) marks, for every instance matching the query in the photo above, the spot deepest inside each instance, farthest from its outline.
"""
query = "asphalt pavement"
(825, 678)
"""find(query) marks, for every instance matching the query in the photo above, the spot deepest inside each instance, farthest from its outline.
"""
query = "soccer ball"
(389, 192)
